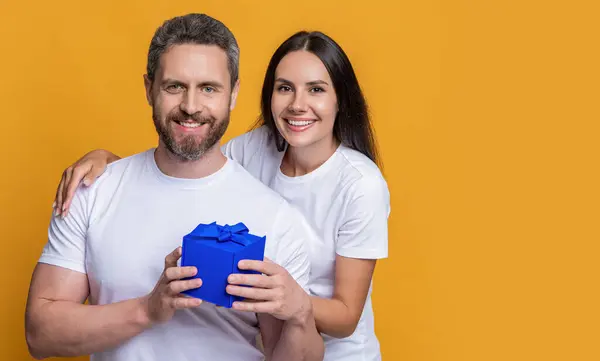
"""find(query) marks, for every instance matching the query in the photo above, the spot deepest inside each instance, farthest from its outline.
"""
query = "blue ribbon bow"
(237, 233)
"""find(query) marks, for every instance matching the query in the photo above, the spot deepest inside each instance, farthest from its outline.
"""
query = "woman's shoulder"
(255, 138)
(361, 169)
(245, 146)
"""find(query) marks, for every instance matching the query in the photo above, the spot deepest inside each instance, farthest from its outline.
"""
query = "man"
(111, 248)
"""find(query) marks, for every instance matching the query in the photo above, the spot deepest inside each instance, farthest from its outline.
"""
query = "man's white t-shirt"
(120, 229)
(346, 201)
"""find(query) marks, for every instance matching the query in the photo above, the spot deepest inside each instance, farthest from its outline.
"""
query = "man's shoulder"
(266, 206)
(122, 165)
(116, 169)
(251, 187)
(114, 174)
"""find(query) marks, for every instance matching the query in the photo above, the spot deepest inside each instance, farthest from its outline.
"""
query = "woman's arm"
(88, 168)
(339, 315)
(362, 239)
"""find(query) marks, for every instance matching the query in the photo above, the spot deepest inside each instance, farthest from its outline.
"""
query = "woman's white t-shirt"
(347, 202)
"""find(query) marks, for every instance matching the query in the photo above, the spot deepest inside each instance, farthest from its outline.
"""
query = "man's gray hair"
(198, 29)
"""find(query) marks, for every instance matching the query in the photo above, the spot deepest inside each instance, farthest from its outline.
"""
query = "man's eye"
(174, 88)
(208, 89)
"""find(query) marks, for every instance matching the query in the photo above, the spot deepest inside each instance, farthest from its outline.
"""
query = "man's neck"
(173, 166)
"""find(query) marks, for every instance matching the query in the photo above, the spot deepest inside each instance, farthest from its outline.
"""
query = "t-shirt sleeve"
(242, 148)
(234, 149)
(363, 232)
(292, 234)
(66, 237)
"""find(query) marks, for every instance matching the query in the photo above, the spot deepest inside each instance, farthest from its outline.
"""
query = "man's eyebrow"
(171, 81)
(211, 83)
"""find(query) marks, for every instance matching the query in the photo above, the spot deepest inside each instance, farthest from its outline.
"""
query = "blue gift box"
(215, 251)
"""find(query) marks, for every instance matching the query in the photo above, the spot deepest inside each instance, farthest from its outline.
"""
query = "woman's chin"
(298, 140)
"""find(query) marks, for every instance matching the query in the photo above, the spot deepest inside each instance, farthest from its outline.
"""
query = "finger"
(259, 294)
(59, 195)
(55, 203)
(171, 259)
(268, 268)
(69, 191)
(68, 177)
(258, 307)
(176, 287)
(185, 302)
(260, 281)
(176, 273)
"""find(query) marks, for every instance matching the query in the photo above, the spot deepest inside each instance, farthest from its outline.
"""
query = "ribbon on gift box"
(236, 233)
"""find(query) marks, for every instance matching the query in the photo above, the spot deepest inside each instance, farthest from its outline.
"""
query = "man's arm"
(291, 339)
(58, 324)
(56, 320)
(270, 332)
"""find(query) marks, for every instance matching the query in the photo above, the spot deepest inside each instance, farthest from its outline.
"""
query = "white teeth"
(189, 125)
(299, 123)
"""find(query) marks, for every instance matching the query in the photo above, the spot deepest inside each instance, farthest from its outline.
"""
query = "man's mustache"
(181, 116)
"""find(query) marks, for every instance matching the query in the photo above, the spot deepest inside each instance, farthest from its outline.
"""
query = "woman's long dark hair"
(352, 125)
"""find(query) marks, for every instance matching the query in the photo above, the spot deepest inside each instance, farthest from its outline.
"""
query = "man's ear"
(148, 87)
(234, 94)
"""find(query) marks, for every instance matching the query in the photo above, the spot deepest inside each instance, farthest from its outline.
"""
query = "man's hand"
(274, 292)
(160, 305)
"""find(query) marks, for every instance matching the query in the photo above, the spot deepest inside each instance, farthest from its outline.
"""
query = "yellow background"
(487, 116)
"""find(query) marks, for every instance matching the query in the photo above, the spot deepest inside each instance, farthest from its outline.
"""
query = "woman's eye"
(317, 90)
(284, 88)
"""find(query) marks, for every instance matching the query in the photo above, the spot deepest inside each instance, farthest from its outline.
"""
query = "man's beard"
(188, 148)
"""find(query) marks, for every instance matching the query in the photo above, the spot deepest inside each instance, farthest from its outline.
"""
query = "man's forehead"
(194, 60)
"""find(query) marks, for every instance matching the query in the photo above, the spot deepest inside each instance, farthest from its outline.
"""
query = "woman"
(314, 145)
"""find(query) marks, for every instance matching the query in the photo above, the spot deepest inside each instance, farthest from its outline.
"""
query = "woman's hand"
(88, 168)
(273, 291)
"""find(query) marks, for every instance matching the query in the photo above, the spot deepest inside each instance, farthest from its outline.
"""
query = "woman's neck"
(298, 161)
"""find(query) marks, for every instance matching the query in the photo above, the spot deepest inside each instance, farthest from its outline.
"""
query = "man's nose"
(190, 103)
